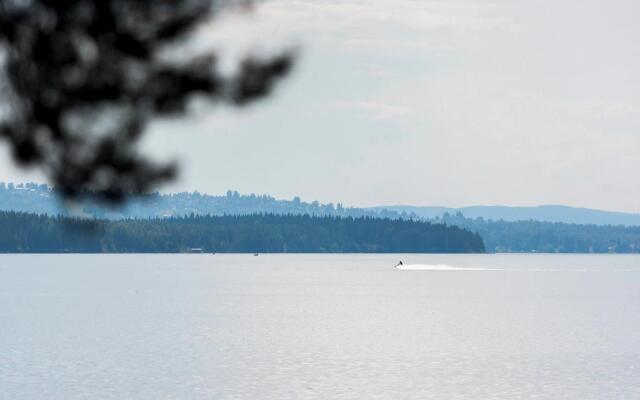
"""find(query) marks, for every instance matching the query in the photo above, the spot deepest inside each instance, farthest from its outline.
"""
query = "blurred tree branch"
(82, 78)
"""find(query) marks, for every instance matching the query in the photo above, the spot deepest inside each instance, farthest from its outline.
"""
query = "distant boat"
(196, 250)
(255, 254)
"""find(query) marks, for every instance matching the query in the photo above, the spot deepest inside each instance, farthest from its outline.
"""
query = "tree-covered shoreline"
(499, 236)
(261, 233)
(549, 237)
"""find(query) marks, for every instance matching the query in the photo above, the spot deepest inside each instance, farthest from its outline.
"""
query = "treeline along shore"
(258, 233)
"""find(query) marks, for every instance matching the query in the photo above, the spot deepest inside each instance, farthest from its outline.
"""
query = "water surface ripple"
(319, 327)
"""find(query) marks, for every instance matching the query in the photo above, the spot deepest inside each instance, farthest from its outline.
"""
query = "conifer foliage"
(80, 80)
(263, 233)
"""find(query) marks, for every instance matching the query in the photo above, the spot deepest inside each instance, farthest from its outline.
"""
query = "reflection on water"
(441, 267)
(319, 327)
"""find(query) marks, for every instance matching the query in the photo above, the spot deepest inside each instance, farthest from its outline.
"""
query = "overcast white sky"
(428, 103)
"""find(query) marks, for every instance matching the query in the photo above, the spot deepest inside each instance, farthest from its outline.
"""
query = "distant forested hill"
(549, 237)
(31, 233)
(29, 198)
(548, 213)
(41, 199)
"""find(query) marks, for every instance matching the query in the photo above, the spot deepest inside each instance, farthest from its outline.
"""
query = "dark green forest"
(262, 233)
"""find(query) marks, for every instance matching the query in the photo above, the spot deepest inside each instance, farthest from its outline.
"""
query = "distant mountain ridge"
(545, 213)
(41, 199)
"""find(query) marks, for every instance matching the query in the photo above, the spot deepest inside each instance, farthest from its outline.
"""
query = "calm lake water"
(319, 327)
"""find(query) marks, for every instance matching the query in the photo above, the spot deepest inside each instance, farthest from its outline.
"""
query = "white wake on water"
(446, 267)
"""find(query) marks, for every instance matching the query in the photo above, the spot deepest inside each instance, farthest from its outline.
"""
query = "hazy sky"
(426, 103)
